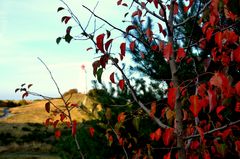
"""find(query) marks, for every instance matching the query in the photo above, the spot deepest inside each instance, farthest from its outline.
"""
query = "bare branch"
(160, 123)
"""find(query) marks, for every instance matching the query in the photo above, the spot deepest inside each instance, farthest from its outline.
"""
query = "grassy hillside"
(23, 131)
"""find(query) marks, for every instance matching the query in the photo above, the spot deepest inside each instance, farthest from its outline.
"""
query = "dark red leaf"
(237, 88)
(149, 34)
(30, 85)
(119, 2)
(125, 4)
(65, 19)
(55, 123)
(112, 78)
(155, 3)
(62, 116)
(137, 12)
(236, 54)
(99, 41)
(24, 95)
(132, 45)
(121, 84)
(123, 48)
(47, 107)
(218, 39)
(160, 27)
(130, 27)
(107, 44)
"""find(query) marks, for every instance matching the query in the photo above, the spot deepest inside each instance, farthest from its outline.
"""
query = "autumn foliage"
(197, 117)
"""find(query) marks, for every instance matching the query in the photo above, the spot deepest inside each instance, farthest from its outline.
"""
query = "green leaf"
(68, 38)
(136, 122)
(99, 75)
(58, 40)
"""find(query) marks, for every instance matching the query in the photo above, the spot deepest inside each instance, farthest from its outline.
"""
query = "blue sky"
(29, 28)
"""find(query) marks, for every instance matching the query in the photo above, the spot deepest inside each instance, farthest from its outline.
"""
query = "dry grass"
(36, 113)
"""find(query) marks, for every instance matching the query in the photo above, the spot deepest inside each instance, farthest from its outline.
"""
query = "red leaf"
(153, 109)
(149, 34)
(201, 133)
(236, 54)
(91, 131)
(168, 50)
(168, 136)
(142, 55)
(194, 145)
(152, 136)
(186, 8)
(219, 80)
(24, 95)
(57, 134)
(237, 107)
(180, 54)
(99, 42)
(132, 46)
(160, 27)
(171, 97)
(90, 48)
(62, 116)
(107, 44)
(121, 117)
(119, 2)
(155, 3)
(226, 133)
(212, 99)
(123, 48)
(195, 107)
(206, 155)
(209, 33)
(237, 146)
(130, 27)
(175, 9)
(218, 39)
(65, 19)
(74, 127)
(219, 110)
(158, 134)
(55, 123)
(112, 78)
(47, 107)
(137, 12)
(167, 156)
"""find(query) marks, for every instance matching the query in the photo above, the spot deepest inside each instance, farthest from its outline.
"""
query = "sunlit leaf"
(180, 54)
(121, 117)
(167, 156)
(153, 109)
(171, 97)
(47, 107)
(168, 136)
